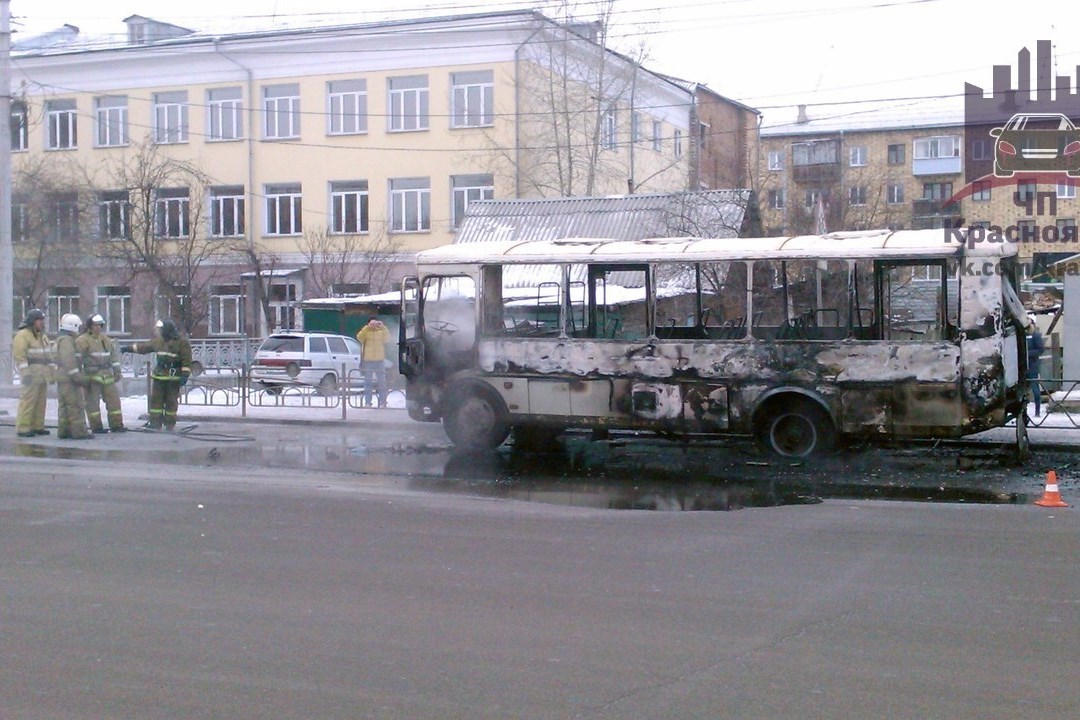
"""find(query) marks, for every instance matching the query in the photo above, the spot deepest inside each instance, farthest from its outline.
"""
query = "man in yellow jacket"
(34, 361)
(374, 337)
(101, 362)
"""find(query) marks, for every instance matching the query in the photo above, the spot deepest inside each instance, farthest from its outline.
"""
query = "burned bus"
(799, 341)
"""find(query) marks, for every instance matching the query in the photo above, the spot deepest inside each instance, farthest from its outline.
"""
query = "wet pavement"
(624, 471)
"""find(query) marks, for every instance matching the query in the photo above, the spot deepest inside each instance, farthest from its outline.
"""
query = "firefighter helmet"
(95, 320)
(70, 322)
(32, 317)
(167, 328)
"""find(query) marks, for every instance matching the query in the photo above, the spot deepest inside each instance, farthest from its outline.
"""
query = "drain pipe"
(249, 211)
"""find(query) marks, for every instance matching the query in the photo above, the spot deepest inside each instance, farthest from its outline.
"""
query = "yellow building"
(222, 179)
(898, 166)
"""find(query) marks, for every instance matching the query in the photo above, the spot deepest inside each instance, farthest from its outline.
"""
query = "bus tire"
(476, 420)
(794, 428)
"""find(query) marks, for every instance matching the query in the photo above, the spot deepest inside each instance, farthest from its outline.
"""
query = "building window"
(981, 150)
(857, 156)
(227, 211)
(349, 207)
(937, 147)
(114, 215)
(283, 297)
(226, 310)
(1066, 229)
(20, 135)
(857, 196)
(111, 114)
(1066, 191)
(473, 98)
(61, 301)
(896, 154)
(347, 105)
(224, 114)
(677, 143)
(408, 98)
(609, 129)
(62, 216)
(776, 160)
(410, 204)
(937, 191)
(1026, 191)
(171, 117)
(63, 125)
(20, 220)
(284, 208)
(114, 304)
(657, 135)
(172, 305)
(281, 111)
(635, 127)
(894, 194)
(810, 199)
(822, 152)
(468, 189)
(980, 190)
(172, 214)
(777, 199)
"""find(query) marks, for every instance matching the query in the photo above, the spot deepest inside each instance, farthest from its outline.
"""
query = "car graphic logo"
(1036, 142)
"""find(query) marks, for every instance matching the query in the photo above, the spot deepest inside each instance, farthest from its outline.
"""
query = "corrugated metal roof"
(716, 213)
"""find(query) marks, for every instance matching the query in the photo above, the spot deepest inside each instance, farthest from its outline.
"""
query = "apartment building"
(900, 166)
(224, 178)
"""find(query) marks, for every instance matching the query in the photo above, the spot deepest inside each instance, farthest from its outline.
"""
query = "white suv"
(305, 358)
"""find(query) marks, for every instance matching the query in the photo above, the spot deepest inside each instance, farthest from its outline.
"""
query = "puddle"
(620, 474)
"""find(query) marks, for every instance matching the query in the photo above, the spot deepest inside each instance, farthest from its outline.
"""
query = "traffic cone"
(1051, 497)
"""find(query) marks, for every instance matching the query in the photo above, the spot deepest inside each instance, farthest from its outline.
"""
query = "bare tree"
(151, 211)
(348, 259)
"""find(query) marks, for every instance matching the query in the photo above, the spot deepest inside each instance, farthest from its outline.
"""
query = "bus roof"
(840, 245)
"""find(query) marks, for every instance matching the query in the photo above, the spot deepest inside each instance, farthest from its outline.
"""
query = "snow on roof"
(864, 116)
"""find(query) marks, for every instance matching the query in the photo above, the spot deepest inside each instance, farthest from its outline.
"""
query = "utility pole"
(7, 254)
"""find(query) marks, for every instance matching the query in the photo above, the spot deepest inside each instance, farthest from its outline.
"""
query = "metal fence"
(206, 354)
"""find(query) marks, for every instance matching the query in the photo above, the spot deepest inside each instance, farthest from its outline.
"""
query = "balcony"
(926, 207)
(937, 166)
(817, 174)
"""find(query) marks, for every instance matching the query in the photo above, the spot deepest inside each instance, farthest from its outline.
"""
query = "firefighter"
(70, 381)
(33, 359)
(101, 363)
(170, 373)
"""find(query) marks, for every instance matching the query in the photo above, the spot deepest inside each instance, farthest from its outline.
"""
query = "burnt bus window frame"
(950, 333)
(597, 271)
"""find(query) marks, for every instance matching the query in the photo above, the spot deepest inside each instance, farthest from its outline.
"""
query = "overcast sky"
(765, 53)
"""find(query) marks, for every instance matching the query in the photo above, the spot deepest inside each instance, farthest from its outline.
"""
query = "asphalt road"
(147, 591)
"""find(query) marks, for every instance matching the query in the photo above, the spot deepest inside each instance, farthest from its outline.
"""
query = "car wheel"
(328, 386)
(474, 420)
(795, 430)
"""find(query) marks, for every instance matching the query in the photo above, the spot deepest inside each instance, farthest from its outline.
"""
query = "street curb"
(350, 421)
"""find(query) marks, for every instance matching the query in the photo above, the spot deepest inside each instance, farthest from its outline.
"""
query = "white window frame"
(938, 146)
(284, 202)
(609, 129)
(676, 143)
(776, 160)
(114, 213)
(20, 127)
(59, 301)
(62, 216)
(226, 201)
(350, 208)
(778, 198)
(111, 118)
(346, 107)
(657, 135)
(472, 99)
(411, 194)
(857, 195)
(170, 126)
(226, 304)
(281, 111)
(980, 191)
(62, 125)
(894, 194)
(1065, 191)
(408, 105)
(172, 213)
(466, 189)
(857, 156)
(110, 297)
(224, 114)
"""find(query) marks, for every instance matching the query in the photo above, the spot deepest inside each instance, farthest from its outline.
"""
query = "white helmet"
(70, 322)
(95, 320)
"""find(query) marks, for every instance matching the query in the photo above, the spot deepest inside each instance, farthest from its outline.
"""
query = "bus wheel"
(799, 429)
(536, 437)
(475, 421)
